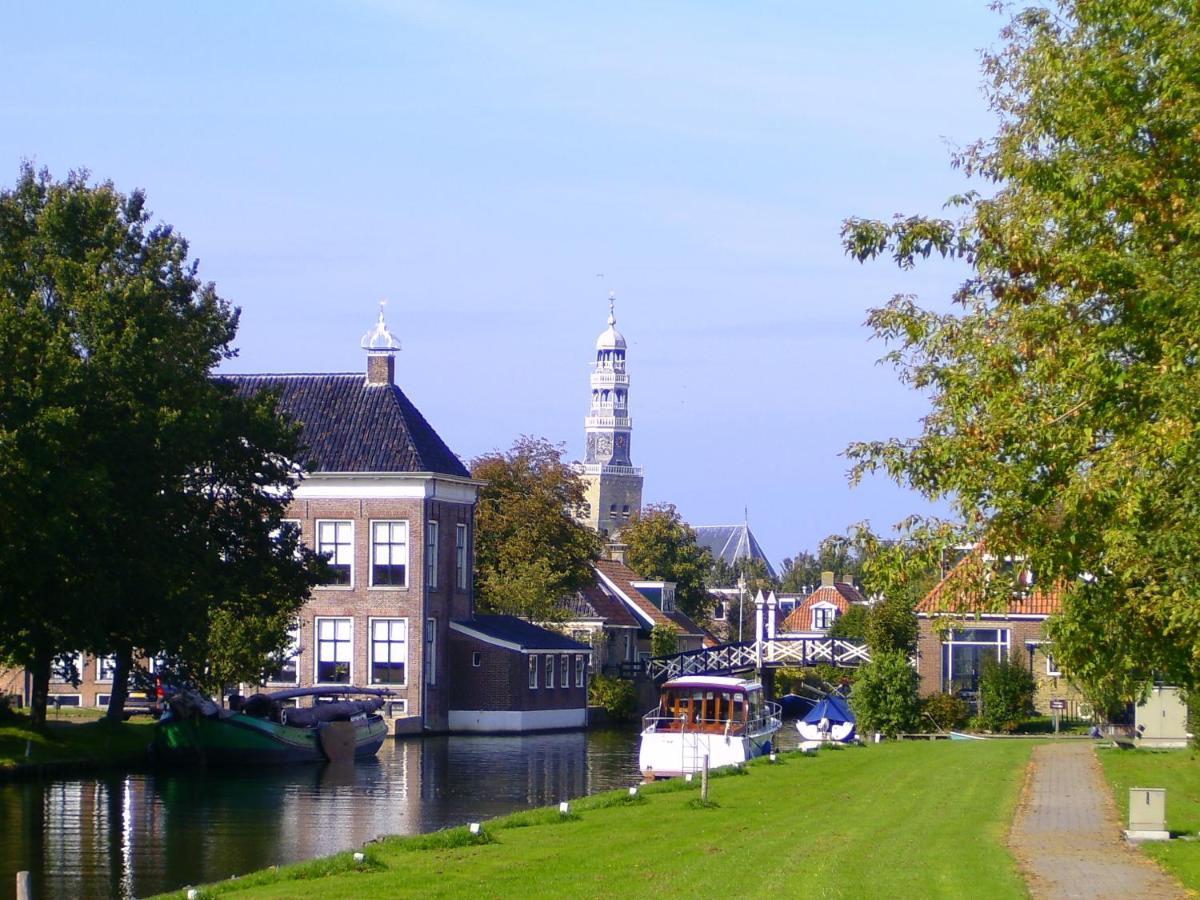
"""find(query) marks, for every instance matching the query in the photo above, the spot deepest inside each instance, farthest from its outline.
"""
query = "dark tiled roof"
(839, 594)
(350, 426)
(595, 602)
(623, 577)
(731, 543)
(959, 594)
(524, 634)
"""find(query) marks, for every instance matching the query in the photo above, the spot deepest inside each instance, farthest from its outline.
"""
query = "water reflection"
(137, 834)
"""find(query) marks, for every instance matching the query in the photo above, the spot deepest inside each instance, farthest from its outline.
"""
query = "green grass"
(96, 742)
(1179, 772)
(913, 819)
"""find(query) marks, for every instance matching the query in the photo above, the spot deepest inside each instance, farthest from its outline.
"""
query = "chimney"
(826, 579)
(381, 349)
(381, 368)
(616, 552)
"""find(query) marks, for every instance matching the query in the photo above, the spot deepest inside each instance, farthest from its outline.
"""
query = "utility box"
(1148, 814)
(1161, 719)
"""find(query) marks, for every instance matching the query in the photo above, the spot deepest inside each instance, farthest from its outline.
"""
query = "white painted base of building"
(491, 720)
(1138, 836)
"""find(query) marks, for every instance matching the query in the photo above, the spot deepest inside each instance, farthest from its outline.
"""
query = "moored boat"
(343, 724)
(829, 721)
(725, 719)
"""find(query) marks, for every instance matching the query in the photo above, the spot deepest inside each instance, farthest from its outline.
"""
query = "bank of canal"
(136, 834)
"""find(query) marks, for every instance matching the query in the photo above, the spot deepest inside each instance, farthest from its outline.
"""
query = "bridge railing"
(726, 659)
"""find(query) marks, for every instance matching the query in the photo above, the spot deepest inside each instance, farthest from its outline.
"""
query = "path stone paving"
(1066, 836)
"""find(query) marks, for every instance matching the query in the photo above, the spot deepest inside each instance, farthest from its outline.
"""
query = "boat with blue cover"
(829, 721)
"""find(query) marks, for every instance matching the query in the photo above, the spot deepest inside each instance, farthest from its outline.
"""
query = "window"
(102, 700)
(67, 668)
(476, 659)
(289, 664)
(533, 672)
(389, 651)
(823, 616)
(105, 666)
(549, 671)
(668, 598)
(564, 675)
(334, 650)
(964, 653)
(1052, 667)
(431, 651)
(580, 668)
(335, 541)
(612, 511)
(460, 557)
(389, 554)
(719, 611)
(57, 700)
(431, 554)
(625, 511)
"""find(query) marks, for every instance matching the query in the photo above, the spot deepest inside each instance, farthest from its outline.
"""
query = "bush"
(615, 695)
(1005, 696)
(851, 624)
(885, 695)
(947, 711)
(664, 640)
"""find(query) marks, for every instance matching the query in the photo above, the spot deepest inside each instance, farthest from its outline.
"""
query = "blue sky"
(478, 164)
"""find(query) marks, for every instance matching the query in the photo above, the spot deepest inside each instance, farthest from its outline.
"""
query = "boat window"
(739, 708)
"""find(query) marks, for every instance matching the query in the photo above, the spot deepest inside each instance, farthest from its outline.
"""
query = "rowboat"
(343, 724)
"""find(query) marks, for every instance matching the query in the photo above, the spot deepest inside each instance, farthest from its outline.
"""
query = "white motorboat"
(725, 719)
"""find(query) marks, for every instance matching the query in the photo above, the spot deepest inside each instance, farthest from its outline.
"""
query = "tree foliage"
(1005, 695)
(1065, 386)
(139, 498)
(884, 698)
(851, 624)
(529, 552)
(835, 553)
(663, 547)
(664, 640)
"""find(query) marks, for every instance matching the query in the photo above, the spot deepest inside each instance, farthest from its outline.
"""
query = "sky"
(494, 170)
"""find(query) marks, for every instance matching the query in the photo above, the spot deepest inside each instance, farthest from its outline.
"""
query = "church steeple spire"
(614, 483)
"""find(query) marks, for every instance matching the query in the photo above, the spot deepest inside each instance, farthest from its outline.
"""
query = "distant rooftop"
(731, 543)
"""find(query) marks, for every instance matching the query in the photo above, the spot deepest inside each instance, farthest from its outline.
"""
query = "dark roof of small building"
(841, 594)
(731, 543)
(959, 594)
(623, 577)
(592, 601)
(351, 426)
(524, 634)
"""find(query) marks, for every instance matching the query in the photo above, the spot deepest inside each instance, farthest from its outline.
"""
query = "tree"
(663, 547)
(837, 553)
(851, 624)
(529, 552)
(1005, 695)
(1065, 387)
(137, 494)
(884, 698)
(664, 640)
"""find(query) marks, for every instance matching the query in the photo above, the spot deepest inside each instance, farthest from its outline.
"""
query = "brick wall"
(501, 680)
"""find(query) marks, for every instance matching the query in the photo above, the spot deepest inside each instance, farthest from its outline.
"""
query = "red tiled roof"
(959, 594)
(593, 600)
(622, 577)
(840, 595)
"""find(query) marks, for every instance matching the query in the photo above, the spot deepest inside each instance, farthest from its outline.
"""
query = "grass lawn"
(913, 819)
(80, 741)
(1179, 772)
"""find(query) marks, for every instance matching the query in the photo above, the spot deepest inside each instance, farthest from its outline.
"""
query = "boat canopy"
(833, 708)
(328, 691)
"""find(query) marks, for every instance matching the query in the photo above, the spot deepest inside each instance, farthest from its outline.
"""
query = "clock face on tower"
(604, 445)
(620, 442)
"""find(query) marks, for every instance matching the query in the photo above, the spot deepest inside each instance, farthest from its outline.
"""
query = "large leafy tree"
(138, 497)
(529, 551)
(663, 546)
(1065, 386)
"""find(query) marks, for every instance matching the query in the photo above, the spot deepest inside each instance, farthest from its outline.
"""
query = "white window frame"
(78, 698)
(564, 670)
(476, 659)
(79, 667)
(461, 579)
(294, 646)
(533, 671)
(99, 661)
(336, 522)
(550, 665)
(431, 553)
(371, 640)
(391, 523)
(580, 669)
(317, 648)
(719, 611)
(826, 612)
(102, 700)
(1051, 668)
(1004, 640)
(430, 643)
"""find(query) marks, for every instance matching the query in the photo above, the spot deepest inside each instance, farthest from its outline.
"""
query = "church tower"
(614, 484)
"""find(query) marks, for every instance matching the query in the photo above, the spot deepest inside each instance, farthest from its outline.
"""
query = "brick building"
(957, 635)
(510, 675)
(817, 612)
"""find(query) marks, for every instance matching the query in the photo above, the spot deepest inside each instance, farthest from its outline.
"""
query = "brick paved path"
(1066, 836)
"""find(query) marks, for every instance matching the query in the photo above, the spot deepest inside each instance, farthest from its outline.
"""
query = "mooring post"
(24, 886)
(704, 779)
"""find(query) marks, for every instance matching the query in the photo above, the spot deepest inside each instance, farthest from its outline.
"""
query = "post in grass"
(564, 808)
(24, 886)
(633, 791)
(475, 828)
(704, 780)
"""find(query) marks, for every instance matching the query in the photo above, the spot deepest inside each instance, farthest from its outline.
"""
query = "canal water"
(131, 835)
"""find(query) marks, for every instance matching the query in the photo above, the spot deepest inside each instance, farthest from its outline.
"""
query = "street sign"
(1058, 703)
